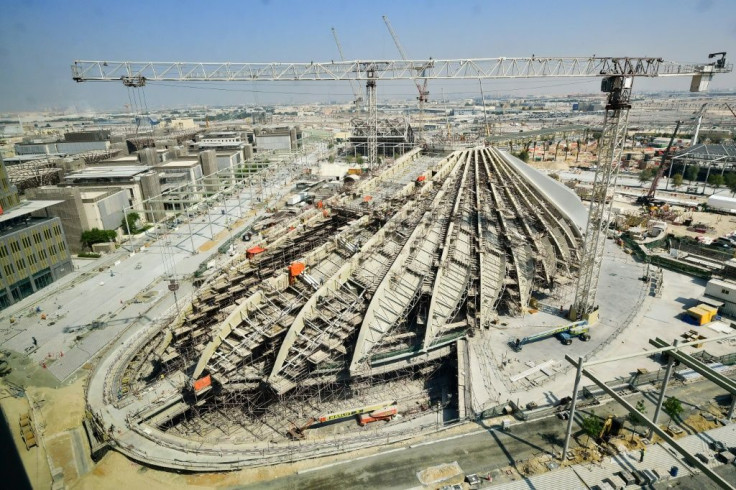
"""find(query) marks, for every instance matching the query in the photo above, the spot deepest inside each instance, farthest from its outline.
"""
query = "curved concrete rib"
(454, 271)
(226, 327)
(401, 284)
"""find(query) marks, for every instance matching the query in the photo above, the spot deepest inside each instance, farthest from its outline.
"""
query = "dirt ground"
(34, 459)
(60, 409)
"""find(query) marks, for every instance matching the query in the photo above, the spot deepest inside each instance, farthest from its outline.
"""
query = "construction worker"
(641, 454)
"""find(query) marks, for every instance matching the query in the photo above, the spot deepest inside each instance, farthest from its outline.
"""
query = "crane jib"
(479, 68)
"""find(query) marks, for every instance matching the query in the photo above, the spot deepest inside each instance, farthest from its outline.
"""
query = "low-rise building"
(81, 209)
(33, 248)
(723, 290)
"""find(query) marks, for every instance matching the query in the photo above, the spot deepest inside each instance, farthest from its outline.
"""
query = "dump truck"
(564, 333)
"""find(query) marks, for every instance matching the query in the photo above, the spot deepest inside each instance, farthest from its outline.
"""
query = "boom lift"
(564, 333)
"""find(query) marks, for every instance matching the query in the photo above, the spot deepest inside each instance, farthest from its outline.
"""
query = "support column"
(732, 408)
(667, 374)
(570, 420)
(372, 119)
(189, 225)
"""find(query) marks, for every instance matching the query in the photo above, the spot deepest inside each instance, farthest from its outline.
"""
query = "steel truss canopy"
(137, 73)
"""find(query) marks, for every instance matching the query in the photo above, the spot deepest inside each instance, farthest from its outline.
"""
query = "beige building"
(81, 209)
(33, 246)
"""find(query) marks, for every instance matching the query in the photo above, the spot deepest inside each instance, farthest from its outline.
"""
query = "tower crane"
(421, 87)
(358, 100)
(617, 73)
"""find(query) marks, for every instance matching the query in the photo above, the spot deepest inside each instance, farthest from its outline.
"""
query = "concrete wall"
(273, 141)
(151, 189)
(71, 212)
(107, 212)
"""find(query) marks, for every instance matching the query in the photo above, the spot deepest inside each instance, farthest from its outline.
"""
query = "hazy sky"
(40, 39)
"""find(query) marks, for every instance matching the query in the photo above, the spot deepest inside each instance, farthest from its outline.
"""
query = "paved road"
(479, 452)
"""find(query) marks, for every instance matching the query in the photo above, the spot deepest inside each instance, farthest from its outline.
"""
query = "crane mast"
(618, 76)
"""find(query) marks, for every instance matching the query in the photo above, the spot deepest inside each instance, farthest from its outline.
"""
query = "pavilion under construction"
(355, 306)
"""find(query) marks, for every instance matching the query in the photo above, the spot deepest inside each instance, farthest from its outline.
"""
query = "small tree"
(524, 155)
(677, 180)
(645, 175)
(130, 222)
(673, 408)
(331, 158)
(636, 419)
(95, 235)
(359, 159)
(691, 173)
(591, 425)
(715, 181)
(729, 180)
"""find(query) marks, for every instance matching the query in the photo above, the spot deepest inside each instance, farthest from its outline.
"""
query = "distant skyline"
(40, 39)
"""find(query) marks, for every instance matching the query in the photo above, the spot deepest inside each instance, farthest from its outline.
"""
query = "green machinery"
(564, 333)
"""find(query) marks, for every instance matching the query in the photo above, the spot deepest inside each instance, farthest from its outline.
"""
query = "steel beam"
(662, 392)
(662, 349)
(697, 366)
(568, 433)
(691, 459)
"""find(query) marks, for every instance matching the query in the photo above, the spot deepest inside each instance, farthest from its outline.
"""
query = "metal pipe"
(570, 420)
(660, 400)
(691, 459)
(662, 349)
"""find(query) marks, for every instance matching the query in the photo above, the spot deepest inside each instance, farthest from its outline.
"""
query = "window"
(3, 251)
(32, 259)
(42, 254)
(47, 234)
(52, 249)
(9, 270)
(725, 291)
(14, 247)
(21, 264)
(57, 231)
(37, 238)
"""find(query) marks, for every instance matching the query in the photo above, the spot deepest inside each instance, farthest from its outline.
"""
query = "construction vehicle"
(648, 199)
(383, 414)
(611, 427)
(564, 333)
(380, 411)
(296, 433)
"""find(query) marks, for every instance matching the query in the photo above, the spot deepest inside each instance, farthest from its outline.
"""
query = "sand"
(59, 409)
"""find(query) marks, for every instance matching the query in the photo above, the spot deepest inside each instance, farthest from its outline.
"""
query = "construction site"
(414, 298)
(347, 309)
(355, 286)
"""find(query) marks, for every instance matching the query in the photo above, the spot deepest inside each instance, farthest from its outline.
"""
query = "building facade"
(33, 249)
